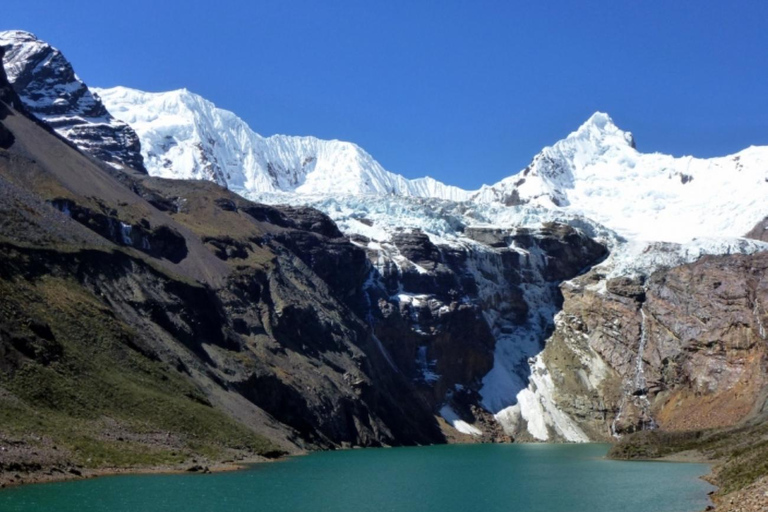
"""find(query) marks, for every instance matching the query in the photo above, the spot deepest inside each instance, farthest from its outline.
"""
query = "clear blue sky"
(465, 91)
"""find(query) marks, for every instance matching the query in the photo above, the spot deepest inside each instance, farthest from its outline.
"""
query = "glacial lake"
(463, 478)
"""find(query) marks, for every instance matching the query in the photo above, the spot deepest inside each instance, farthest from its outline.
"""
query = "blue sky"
(466, 92)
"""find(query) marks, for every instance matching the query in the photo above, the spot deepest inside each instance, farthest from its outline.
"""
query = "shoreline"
(13, 479)
(8, 479)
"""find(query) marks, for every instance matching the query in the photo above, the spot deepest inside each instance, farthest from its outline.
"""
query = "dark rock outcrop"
(161, 242)
(49, 89)
(417, 247)
(6, 137)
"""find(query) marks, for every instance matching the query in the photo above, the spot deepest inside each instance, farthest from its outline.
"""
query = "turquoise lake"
(468, 478)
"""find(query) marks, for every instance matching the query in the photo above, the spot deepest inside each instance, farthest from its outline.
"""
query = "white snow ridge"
(187, 137)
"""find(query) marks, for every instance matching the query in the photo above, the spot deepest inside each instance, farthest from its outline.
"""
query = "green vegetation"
(740, 454)
(79, 379)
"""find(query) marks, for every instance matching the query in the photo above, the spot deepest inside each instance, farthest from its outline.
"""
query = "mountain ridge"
(204, 141)
(595, 171)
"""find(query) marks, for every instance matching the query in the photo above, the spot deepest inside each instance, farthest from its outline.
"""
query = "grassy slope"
(740, 454)
(88, 376)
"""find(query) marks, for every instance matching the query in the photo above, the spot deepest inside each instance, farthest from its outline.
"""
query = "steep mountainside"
(185, 136)
(176, 316)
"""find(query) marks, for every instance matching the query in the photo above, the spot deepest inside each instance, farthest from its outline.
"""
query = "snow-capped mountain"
(596, 171)
(652, 211)
(49, 88)
(185, 136)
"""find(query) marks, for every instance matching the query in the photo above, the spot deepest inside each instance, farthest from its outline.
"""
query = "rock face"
(760, 231)
(686, 350)
(707, 340)
(451, 315)
(52, 92)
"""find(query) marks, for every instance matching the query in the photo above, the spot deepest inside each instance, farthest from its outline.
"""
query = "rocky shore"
(752, 498)
(22, 463)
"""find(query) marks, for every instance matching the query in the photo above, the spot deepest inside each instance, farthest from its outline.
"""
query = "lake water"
(484, 478)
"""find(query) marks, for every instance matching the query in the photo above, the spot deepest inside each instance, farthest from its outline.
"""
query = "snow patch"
(449, 415)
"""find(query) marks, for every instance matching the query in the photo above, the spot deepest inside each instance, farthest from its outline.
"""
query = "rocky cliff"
(449, 314)
(682, 349)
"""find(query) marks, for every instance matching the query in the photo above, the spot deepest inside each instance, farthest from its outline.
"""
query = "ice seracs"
(184, 136)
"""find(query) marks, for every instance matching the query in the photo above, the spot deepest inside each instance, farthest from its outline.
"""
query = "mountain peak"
(600, 120)
(600, 129)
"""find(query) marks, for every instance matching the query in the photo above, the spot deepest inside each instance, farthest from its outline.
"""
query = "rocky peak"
(559, 165)
(51, 91)
(556, 169)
